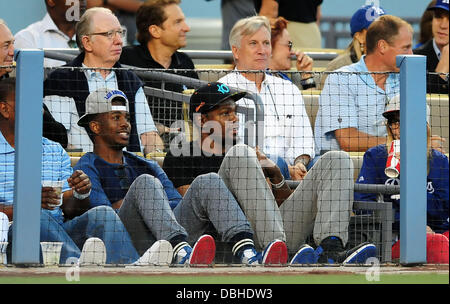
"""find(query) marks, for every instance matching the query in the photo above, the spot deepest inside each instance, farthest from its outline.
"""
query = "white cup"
(51, 252)
(57, 186)
(3, 259)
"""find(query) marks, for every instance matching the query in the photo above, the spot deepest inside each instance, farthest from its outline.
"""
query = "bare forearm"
(152, 142)
(352, 140)
(72, 206)
(8, 210)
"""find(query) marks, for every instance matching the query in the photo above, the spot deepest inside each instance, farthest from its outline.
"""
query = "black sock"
(332, 244)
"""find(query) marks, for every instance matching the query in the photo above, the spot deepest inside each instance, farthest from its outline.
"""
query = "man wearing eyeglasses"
(100, 39)
(55, 30)
(146, 200)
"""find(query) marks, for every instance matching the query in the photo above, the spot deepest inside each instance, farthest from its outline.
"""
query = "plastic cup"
(51, 252)
(392, 169)
(57, 186)
(3, 246)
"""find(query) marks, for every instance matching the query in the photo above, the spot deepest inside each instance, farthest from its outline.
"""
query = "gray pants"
(209, 202)
(321, 204)
(146, 213)
(148, 217)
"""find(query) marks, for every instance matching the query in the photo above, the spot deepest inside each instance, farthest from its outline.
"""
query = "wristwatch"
(279, 185)
(81, 196)
(308, 83)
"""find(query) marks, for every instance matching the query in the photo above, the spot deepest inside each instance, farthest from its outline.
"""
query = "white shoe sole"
(159, 254)
(93, 252)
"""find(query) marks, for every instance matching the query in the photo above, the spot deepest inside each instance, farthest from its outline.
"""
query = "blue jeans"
(101, 222)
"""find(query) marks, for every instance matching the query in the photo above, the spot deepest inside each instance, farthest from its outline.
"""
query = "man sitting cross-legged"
(144, 197)
(321, 204)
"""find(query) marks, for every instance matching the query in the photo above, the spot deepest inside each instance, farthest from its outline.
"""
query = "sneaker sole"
(203, 252)
(276, 254)
(361, 255)
(305, 255)
(160, 254)
(93, 252)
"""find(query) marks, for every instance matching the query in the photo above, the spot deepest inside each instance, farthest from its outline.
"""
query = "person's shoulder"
(184, 59)
(377, 150)
(52, 147)
(130, 53)
(438, 155)
(424, 49)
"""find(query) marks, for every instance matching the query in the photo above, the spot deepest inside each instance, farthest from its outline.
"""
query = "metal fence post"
(413, 202)
(28, 157)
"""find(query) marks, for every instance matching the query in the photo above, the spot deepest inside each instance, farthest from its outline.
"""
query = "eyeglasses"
(111, 34)
(394, 123)
(290, 45)
(121, 173)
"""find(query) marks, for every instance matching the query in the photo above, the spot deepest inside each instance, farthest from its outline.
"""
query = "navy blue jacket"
(372, 172)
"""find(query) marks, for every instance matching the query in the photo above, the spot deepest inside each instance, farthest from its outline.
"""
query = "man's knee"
(340, 159)
(146, 181)
(208, 179)
(104, 213)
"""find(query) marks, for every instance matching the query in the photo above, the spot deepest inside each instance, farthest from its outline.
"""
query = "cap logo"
(115, 92)
(222, 88)
(199, 106)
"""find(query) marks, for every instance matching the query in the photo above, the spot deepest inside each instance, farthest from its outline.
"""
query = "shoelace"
(188, 250)
(256, 258)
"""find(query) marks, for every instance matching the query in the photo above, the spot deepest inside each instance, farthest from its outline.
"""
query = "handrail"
(188, 81)
(203, 54)
(362, 188)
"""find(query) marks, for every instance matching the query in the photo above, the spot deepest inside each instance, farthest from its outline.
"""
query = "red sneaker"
(203, 252)
(275, 253)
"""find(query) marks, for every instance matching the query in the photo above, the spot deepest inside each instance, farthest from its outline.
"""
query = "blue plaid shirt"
(352, 100)
(55, 167)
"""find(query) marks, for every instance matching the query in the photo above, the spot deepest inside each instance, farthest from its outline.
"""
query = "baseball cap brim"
(235, 96)
(439, 6)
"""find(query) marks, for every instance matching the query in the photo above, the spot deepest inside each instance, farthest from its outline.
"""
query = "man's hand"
(49, 197)
(304, 63)
(269, 168)
(297, 171)
(80, 182)
(443, 65)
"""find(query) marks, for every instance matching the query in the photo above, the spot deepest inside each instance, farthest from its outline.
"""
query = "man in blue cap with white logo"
(436, 49)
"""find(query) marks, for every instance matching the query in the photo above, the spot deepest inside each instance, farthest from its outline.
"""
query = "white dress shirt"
(43, 34)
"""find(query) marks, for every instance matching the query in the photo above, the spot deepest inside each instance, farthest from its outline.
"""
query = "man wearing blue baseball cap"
(436, 49)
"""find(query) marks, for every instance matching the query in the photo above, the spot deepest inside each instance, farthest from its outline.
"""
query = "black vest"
(73, 84)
